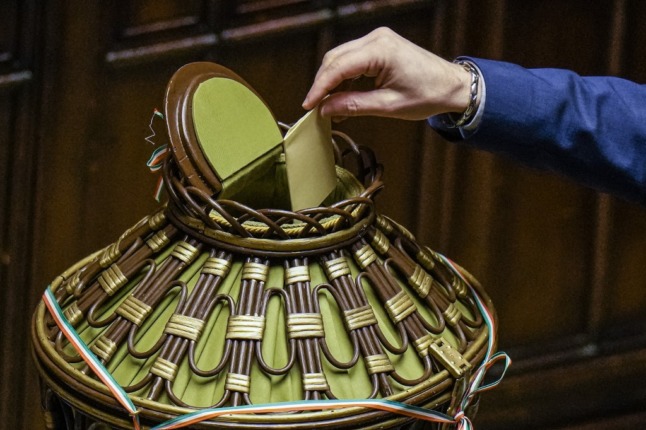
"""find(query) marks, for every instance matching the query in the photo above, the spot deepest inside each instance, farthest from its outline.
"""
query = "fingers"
(356, 103)
(347, 61)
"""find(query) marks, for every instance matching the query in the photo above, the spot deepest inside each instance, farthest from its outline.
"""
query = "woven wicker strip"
(216, 266)
(237, 382)
(400, 306)
(365, 256)
(452, 314)
(421, 281)
(255, 271)
(380, 242)
(134, 310)
(157, 221)
(425, 259)
(305, 325)
(315, 382)
(459, 287)
(336, 268)
(245, 327)
(184, 326)
(73, 282)
(112, 279)
(104, 348)
(297, 274)
(359, 317)
(73, 314)
(422, 344)
(164, 369)
(110, 255)
(185, 252)
(158, 241)
(378, 363)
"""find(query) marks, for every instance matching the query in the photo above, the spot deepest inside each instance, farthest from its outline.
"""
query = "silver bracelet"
(473, 95)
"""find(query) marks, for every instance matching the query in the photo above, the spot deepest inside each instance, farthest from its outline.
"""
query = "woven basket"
(211, 303)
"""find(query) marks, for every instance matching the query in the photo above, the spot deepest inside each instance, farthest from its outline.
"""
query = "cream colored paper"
(309, 160)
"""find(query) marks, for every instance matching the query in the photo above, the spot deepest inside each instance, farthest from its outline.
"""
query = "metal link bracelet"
(473, 96)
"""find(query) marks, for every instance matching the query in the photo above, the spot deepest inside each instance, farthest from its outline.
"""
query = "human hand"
(409, 82)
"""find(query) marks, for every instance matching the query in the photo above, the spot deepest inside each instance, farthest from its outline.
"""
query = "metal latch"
(450, 357)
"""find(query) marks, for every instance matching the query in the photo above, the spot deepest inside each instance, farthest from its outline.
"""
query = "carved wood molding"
(251, 28)
(15, 79)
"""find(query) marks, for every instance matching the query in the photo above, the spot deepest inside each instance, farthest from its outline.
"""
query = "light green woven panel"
(89, 334)
(127, 369)
(206, 391)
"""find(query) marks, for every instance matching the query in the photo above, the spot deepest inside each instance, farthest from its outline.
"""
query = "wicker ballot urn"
(228, 303)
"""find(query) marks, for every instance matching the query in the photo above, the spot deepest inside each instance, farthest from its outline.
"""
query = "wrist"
(459, 94)
(469, 94)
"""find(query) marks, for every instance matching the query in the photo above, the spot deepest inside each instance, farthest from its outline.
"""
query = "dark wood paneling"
(9, 36)
(150, 18)
(18, 161)
(635, 38)
(588, 390)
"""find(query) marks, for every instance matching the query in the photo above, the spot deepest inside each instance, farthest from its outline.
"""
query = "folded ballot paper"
(309, 160)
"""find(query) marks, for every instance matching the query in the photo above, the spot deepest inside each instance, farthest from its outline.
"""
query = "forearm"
(591, 129)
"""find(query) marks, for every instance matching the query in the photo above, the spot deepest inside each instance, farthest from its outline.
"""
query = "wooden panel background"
(564, 264)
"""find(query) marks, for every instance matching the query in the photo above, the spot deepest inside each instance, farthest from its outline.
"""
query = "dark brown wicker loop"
(168, 387)
(411, 249)
(260, 215)
(220, 206)
(139, 385)
(250, 214)
(90, 316)
(84, 277)
(170, 174)
(60, 349)
(437, 313)
(93, 322)
(475, 322)
(428, 371)
(270, 292)
(462, 340)
(403, 335)
(287, 217)
(321, 213)
(429, 300)
(323, 342)
(197, 209)
(132, 333)
(226, 355)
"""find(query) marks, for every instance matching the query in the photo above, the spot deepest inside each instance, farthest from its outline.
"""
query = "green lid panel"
(234, 127)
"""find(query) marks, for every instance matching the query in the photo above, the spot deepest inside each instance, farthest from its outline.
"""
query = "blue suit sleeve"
(592, 129)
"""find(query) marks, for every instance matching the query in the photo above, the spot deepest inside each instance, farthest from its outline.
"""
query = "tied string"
(156, 160)
(491, 357)
(88, 356)
(460, 418)
(308, 405)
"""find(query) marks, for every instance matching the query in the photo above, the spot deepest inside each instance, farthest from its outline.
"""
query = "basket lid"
(224, 138)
